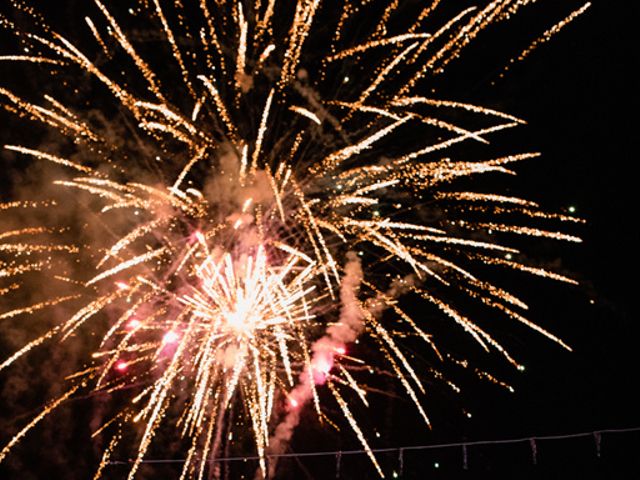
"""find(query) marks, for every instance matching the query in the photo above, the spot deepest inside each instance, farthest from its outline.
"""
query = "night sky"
(576, 94)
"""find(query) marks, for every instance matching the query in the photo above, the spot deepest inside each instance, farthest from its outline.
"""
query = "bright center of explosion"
(240, 294)
(240, 320)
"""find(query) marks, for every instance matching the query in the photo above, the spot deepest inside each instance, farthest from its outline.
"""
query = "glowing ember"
(170, 337)
(324, 366)
(133, 324)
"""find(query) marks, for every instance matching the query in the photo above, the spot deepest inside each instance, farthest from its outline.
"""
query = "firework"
(235, 209)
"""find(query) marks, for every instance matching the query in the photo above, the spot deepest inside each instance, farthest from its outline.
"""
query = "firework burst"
(232, 186)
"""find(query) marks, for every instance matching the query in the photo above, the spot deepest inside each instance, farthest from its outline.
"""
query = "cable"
(395, 449)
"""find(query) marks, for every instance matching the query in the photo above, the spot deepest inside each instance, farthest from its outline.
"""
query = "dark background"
(577, 93)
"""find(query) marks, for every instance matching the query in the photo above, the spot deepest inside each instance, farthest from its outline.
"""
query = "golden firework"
(231, 193)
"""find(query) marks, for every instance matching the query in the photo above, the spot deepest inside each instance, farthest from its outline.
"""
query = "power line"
(596, 434)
